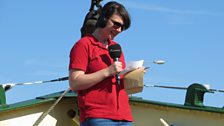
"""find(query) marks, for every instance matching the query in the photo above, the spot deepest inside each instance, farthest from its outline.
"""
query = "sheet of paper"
(131, 66)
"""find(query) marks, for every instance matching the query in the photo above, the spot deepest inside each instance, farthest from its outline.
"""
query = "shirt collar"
(94, 41)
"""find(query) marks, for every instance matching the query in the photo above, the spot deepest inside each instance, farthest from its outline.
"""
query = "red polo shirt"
(106, 99)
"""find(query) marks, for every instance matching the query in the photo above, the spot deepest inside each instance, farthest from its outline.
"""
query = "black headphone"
(102, 20)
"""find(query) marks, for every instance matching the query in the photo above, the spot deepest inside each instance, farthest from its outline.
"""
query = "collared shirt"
(106, 99)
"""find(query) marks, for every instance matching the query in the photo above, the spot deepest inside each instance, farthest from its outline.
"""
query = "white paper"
(131, 66)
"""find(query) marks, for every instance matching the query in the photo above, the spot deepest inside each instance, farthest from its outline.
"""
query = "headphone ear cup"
(102, 22)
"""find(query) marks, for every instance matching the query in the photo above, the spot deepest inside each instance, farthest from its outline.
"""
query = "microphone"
(115, 53)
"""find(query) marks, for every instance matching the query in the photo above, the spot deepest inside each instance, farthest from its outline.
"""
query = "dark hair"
(111, 8)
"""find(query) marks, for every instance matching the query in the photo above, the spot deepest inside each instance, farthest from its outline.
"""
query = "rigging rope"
(8, 86)
(41, 118)
(180, 88)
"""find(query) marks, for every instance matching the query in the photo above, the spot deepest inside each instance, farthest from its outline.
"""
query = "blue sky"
(36, 38)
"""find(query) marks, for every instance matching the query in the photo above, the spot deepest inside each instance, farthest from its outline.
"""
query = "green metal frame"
(2, 96)
(195, 95)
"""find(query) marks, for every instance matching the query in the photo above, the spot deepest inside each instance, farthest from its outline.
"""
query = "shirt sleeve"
(79, 56)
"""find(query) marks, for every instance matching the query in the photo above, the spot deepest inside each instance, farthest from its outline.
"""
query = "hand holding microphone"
(115, 68)
(115, 53)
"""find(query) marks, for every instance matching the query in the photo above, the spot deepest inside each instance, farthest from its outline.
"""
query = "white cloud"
(157, 8)
(42, 63)
(45, 68)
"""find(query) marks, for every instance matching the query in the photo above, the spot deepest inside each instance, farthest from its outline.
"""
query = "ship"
(60, 108)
